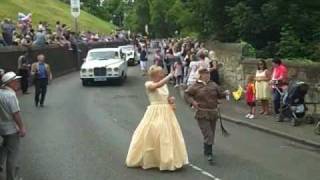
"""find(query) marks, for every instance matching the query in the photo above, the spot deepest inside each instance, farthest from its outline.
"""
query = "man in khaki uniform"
(203, 96)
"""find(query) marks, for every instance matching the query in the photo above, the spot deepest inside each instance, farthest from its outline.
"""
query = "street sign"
(75, 8)
(146, 28)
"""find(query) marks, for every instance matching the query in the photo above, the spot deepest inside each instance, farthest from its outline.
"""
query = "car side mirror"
(84, 60)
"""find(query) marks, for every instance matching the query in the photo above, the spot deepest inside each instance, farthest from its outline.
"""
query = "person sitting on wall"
(40, 38)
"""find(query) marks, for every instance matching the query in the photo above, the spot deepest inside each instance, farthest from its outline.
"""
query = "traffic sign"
(75, 8)
(146, 29)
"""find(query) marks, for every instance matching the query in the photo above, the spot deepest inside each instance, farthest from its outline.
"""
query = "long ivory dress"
(158, 142)
(262, 87)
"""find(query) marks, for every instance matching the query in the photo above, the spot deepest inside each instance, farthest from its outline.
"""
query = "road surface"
(83, 133)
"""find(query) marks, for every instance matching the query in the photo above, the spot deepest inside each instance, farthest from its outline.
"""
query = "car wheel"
(84, 83)
(122, 79)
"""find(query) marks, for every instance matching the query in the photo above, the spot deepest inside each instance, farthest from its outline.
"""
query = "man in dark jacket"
(24, 71)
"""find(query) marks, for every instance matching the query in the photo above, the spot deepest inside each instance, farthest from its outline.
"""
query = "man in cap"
(24, 71)
(11, 124)
(203, 95)
(42, 75)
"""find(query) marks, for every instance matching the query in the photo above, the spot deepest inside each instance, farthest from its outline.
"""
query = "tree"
(261, 23)
(141, 16)
(290, 44)
(92, 6)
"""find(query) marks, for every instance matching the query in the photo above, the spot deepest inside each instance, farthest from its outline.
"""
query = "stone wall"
(62, 60)
(230, 58)
(234, 68)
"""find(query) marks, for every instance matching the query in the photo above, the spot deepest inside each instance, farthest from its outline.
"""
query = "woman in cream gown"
(158, 142)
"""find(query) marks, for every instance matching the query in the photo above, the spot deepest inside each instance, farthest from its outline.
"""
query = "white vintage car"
(131, 54)
(104, 64)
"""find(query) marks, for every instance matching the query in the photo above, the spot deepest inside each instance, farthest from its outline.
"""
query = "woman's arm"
(155, 85)
(268, 75)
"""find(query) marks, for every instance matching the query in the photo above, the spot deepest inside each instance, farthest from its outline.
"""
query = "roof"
(127, 46)
(104, 49)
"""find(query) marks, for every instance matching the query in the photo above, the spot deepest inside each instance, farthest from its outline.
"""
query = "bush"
(247, 49)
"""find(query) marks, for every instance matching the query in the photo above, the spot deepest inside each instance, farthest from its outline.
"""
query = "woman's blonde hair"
(153, 70)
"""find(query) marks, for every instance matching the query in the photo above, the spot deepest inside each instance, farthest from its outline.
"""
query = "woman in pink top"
(279, 82)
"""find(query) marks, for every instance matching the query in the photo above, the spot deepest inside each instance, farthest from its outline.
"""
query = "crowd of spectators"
(28, 35)
(185, 57)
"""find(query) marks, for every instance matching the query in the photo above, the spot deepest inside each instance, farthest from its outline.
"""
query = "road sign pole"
(76, 25)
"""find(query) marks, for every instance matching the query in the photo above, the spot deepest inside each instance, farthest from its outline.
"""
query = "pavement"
(83, 133)
(304, 133)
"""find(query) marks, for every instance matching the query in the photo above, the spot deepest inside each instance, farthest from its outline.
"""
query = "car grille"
(100, 71)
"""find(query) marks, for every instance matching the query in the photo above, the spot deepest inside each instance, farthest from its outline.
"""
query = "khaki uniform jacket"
(207, 96)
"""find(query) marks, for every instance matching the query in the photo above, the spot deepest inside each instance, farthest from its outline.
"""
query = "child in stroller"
(293, 104)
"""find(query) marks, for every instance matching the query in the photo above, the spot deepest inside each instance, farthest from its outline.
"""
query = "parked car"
(104, 64)
(131, 54)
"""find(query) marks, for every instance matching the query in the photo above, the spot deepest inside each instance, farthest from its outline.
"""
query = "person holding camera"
(42, 75)
(279, 82)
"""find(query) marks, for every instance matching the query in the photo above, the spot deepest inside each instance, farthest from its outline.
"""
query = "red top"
(250, 93)
(280, 73)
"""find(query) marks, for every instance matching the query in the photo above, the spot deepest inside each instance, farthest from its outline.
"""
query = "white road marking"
(203, 172)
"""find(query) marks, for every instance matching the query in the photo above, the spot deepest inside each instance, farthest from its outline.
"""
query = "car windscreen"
(105, 55)
(125, 49)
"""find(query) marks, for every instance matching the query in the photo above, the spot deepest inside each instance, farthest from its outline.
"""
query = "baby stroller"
(293, 104)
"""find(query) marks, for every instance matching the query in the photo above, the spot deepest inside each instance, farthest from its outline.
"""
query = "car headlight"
(83, 70)
(90, 70)
(109, 69)
(116, 69)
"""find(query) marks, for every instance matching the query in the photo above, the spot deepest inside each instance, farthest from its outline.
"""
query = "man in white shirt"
(11, 125)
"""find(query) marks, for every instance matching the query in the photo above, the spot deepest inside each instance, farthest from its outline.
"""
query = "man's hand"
(22, 132)
(171, 100)
(195, 105)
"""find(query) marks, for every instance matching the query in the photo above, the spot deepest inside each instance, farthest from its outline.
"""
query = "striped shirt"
(8, 105)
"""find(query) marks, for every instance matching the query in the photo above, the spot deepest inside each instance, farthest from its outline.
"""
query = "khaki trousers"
(208, 128)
